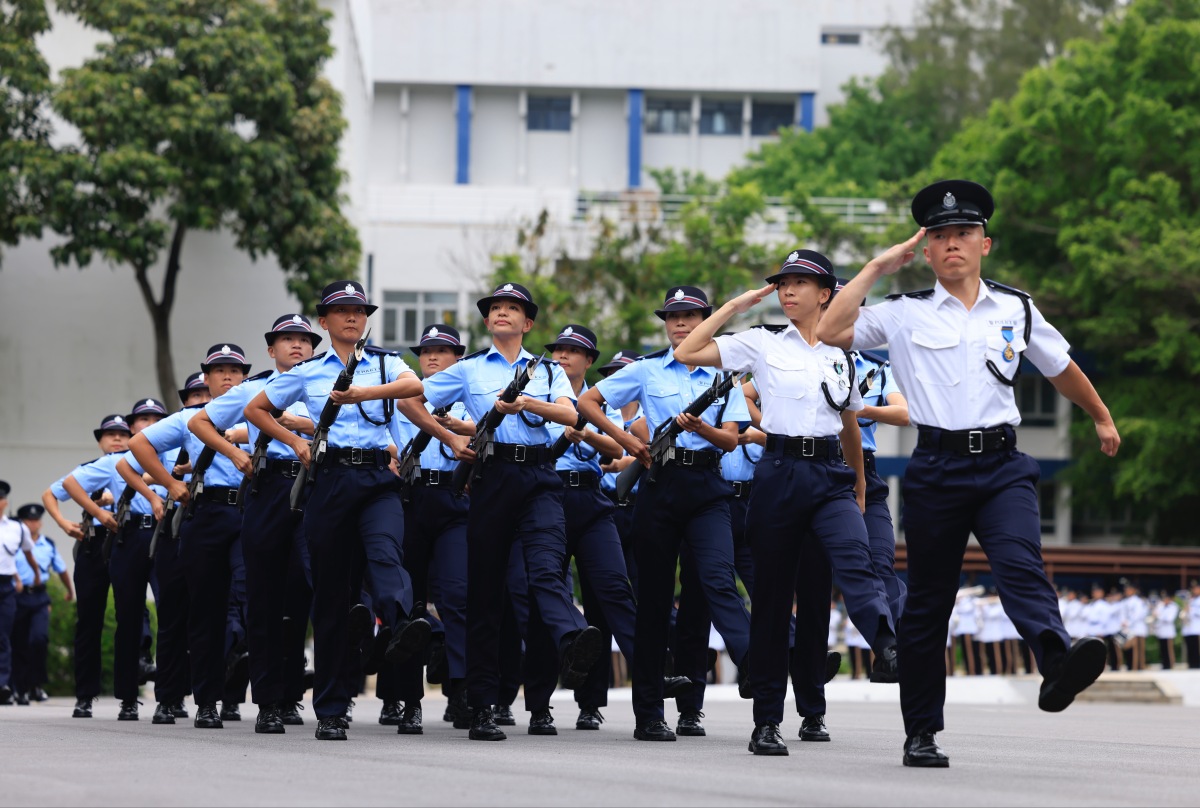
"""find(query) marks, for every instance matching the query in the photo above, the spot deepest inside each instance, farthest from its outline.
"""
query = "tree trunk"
(160, 317)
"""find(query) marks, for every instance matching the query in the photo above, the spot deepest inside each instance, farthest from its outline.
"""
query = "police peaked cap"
(440, 336)
(225, 354)
(806, 262)
(293, 324)
(577, 336)
(344, 293)
(952, 202)
(32, 512)
(620, 359)
(147, 406)
(5, 488)
(513, 290)
(194, 382)
(684, 298)
(112, 423)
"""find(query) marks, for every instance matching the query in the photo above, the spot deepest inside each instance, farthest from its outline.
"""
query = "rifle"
(320, 439)
(195, 488)
(258, 462)
(172, 506)
(485, 434)
(863, 387)
(408, 465)
(88, 525)
(122, 514)
(563, 443)
(662, 445)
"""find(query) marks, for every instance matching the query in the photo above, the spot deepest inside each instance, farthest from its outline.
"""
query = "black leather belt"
(521, 454)
(141, 521)
(805, 447)
(36, 590)
(353, 456)
(699, 458)
(284, 468)
(220, 495)
(435, 478)
(580, 479)
(966, 441)
(741, 488)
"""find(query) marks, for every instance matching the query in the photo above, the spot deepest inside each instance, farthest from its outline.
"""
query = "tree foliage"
(200, 115)
(24, 131)
(1095, 164)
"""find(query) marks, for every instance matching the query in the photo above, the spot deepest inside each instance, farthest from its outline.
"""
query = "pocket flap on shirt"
(935, 339)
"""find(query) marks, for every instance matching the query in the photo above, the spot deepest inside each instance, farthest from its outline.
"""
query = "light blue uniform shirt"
(883, 385)
(580, 456)
(479, 379)
(665, 388)
(91, 478)
(172, 433)
(738, 465)
(311, 382)
(47, 557)
(437, 456)
(228, 411)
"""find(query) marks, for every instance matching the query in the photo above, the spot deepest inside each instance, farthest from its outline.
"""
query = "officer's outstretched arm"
(258, 412)
(50, 502)
(1075, 386)
(894, 411)
(837, 322)
(83, 500)
(143, 450)
(698, 348)
(591, 407)
(203, 428)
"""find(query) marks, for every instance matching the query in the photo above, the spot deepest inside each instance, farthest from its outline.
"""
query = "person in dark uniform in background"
(517, 498)
(681, 516)
(353, 506)
(275, 555)
(15, 539)
(956, 350)
(31, 628)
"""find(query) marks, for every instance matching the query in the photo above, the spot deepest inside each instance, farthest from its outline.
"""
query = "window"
(405, 315)
(769, 117)
(840, 39)
(548, 114)
(1048, 506)
(668, 116)
(1037, 400)
(720, 117)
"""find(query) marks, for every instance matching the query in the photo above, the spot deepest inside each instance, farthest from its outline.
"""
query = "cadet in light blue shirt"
(517, 497)
(353, 505)
(31, 626)
(687, 499)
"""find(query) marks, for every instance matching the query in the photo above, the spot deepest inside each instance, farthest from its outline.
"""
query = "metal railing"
(650, 207)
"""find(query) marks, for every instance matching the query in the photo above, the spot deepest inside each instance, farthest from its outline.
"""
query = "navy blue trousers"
(797, 501)
(91, 602)
(946, 498)
(173, 680)
(8, 613)
(353, 516)
(131, 569)
(623, 520)
(684, 506)
(608, 602)
(511, 502)
(435, 555)
(882, 538)
(814, 591)
(30, 639)
(205, 541)
(278, 591)
(539, 667)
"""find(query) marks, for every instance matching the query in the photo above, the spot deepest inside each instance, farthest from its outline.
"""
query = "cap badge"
(147, 402)
(679, 294)
(433, 332)
(508, 287)
(949, 201)
(297, 319)
(225, 351)
(568, 331)
(794, 256)
(118, 419)
(349, 289)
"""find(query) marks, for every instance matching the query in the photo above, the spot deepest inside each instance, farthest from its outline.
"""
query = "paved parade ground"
(1001, 754)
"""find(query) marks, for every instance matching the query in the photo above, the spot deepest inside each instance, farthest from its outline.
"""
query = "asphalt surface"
(1092, 754)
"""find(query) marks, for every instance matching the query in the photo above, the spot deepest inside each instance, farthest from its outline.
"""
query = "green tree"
(1095, 164)
(24, 131)
(201, 115)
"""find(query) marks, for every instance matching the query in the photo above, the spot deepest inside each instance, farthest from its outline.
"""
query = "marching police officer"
(31, 628)
(14, 538)
(956, 350)
(353, 505)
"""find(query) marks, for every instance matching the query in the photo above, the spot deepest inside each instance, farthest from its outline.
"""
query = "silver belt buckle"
(687, 457)
(975, 441)
(808, 446)
(433, 477)
(295, 470)
(519, 453)
(231, 496)
(356, 456)
(572, 479)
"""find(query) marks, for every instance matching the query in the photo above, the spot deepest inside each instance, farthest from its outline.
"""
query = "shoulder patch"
(1012, 290)
(312, 358)
(874, 357)
(918, 295)
(480, 352)
(655, 355)
(774, 328)
(258, 376)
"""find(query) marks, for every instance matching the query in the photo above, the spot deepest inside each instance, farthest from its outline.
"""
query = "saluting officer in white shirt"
(956, 350)
(1165, 612)
(1191, 627)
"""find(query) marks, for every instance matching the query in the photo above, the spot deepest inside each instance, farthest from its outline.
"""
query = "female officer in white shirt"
(808, 395)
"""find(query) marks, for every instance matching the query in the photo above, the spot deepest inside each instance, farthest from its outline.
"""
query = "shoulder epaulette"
(312, 358)
(655, 355)
(374, 349)
(774, 328)
(480, 352)
(258, 376)
(194, 407)
(93, 460)
(918, 295)
(999, 287)
(874, 357)
(50, 541)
